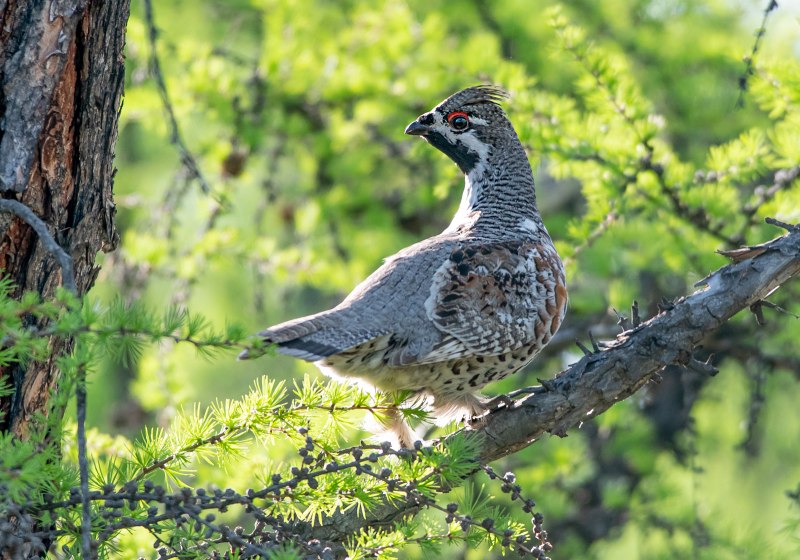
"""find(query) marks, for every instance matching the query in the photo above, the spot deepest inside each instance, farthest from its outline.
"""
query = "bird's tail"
(307, 338)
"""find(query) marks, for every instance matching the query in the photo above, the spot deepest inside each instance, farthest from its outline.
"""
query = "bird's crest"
(475, 95)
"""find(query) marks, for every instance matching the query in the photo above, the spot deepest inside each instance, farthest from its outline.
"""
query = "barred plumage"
(444, 317)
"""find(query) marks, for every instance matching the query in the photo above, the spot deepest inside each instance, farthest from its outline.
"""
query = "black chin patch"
(464, 158)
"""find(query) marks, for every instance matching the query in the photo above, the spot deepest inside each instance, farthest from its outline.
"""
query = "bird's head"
(467, 126)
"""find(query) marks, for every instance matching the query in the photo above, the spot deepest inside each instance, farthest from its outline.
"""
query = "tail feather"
(309, 338)
(305, 349)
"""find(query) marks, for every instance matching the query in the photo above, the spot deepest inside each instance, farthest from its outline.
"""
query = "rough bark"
(593, 384)
(61, 72)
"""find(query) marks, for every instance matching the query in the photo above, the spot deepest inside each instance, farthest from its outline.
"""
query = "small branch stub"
(64, 260)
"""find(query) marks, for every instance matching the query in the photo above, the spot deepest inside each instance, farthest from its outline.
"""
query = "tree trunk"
(61, 72)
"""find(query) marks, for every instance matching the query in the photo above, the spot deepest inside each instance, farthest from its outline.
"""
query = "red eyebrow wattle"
(455, 114)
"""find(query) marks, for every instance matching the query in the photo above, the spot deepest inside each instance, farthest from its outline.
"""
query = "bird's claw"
(498, 402)
(507, 401)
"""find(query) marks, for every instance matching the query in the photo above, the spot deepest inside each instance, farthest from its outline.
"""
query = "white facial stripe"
(470, 141)
(478, 120)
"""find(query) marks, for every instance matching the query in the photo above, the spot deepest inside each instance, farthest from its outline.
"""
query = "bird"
(444, 317)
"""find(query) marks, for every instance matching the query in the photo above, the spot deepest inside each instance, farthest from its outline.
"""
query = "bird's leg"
(388, 423)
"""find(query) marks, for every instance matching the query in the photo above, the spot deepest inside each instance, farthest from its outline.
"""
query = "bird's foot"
(498, 402)
(507, 401)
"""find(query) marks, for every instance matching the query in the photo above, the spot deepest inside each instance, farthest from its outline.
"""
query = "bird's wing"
(489, 299)
(390, 301)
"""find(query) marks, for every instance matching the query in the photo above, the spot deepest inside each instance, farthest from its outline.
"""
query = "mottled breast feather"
(495, 297)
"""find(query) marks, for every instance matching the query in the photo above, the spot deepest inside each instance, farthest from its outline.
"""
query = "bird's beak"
(417, 129)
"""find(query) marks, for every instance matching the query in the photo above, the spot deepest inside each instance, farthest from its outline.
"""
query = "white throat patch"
(466, 213)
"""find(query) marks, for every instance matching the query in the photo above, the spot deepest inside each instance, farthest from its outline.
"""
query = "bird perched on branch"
(446, 316)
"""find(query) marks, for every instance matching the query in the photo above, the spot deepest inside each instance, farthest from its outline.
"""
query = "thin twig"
(781, 180)
(83, 465)
(600, 229)
(777, 223)
(187, 158)
(64, 260)
(748, 60)
(697, 217)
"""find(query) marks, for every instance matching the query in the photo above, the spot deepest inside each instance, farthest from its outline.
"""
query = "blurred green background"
(295, 112)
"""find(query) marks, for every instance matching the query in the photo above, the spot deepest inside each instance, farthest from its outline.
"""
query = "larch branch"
(599, 380)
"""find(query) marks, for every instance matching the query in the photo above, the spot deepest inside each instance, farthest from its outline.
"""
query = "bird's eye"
(458, 120)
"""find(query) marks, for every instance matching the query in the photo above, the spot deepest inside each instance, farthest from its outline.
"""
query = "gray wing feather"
(390, 301)
(490, 299)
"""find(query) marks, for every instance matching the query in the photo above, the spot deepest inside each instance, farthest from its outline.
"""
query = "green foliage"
(295, 113)
(227, 435)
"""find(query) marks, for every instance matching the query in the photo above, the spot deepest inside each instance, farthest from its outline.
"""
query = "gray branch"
(64, 260)
(593, 384)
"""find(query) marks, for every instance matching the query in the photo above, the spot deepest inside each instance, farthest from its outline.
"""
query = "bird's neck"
(499, 197)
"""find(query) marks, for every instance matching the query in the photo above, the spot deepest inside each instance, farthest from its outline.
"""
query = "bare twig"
(64, 260)
(596, 382)
(781, 180)
(600, 229)
(752, 442)
(187, 158)
(697, 217)
(636, 320)
(748, 60)
(780, 224)
(83, 465)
